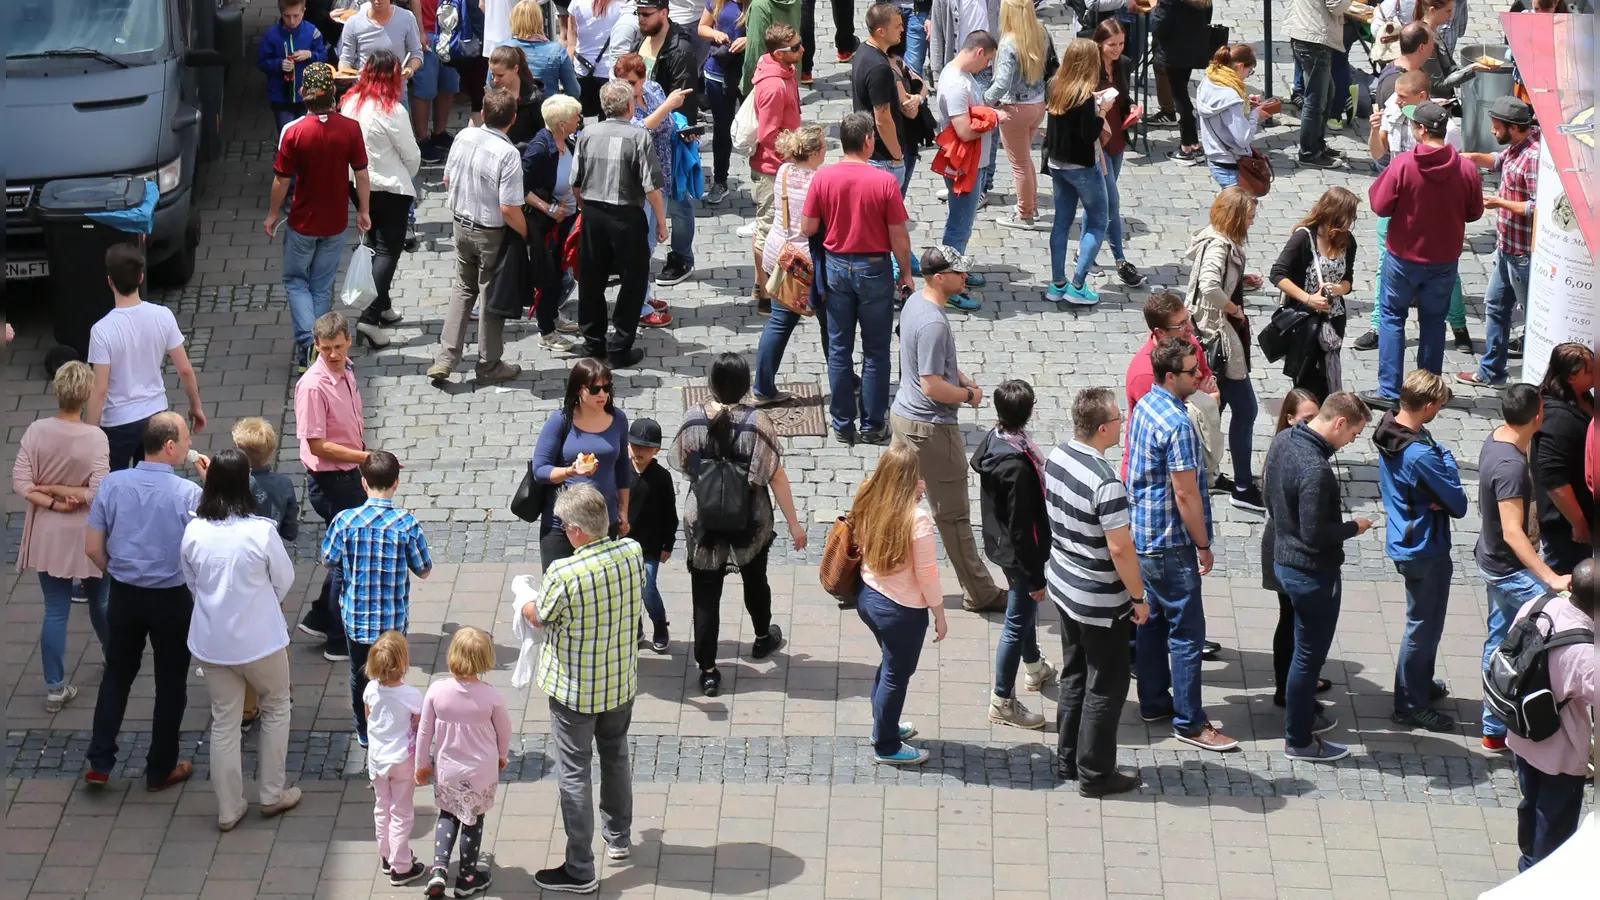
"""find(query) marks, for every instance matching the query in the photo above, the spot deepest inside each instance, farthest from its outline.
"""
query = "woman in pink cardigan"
(59, 466)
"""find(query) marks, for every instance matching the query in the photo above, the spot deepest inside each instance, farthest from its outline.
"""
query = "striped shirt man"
(374, 545)
(1084, 499)
(590, 610)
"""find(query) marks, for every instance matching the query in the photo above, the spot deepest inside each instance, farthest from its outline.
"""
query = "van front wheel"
(177, 269)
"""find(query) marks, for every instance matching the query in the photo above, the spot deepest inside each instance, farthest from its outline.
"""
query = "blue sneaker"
(1056, 293)
(907, 731)
(1079, 296)
(976, 280)
(1318, 750)
(965, 303)
(907, 755)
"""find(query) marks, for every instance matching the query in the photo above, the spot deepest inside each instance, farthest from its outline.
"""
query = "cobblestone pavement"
(766, 791)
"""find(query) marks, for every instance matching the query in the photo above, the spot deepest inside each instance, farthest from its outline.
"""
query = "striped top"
(1084, 499)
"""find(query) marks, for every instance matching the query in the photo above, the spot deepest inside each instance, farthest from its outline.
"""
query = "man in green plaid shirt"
(589, 609)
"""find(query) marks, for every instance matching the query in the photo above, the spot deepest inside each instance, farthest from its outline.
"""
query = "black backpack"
(722, 494)
(1516, 682)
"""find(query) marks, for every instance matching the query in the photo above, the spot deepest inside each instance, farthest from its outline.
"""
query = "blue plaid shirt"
(1161, 440)
(373, 545)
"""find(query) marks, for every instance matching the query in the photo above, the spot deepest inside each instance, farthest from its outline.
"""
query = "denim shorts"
(434, 77)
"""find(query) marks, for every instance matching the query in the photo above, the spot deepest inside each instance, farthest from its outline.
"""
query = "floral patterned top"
(467, 731)
(755, 444)
(662, 134)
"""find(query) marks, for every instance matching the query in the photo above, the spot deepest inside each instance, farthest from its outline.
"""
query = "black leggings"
(589, 95)
(724, 106)
(706, 588)
(387, 240)
(444, 840)
(1188, 126)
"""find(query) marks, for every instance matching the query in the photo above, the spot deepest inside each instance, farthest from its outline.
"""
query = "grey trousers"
(576, 736)
(475, 253)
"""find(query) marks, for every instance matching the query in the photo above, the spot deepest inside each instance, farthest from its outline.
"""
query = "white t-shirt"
(971, 15)
(391, 739)
(594, 32)
(958, 93)
(496, 23)
(686, 12)
(133, 340)
(1397, 128)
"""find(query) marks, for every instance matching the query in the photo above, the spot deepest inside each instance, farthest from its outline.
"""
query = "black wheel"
(177, 269)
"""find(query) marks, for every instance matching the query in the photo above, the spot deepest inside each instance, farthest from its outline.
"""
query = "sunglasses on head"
(596, 390)
(797, 48)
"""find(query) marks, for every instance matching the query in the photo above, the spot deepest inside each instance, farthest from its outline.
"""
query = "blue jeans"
(1019, 639)
(1457, 316)
(962, 212)
(1316, 597)
(358, 684)
(1316, 67)
(916, 40)
(860, 289)
(1225, 178)
(900, 631)
(681, 214)
(1548, 813)
(902, 172)
(1114, 205)
(1427, 598)
(1506, 595)
(1242, 397)
(126, 442)
(653, 603)
(53, 631)
(1167, 654)
(1430, 284)
(781, 323)
(1068, 186)
(1508, 286)
(309, 267)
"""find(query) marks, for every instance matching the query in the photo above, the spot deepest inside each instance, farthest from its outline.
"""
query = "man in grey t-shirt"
(932, 390)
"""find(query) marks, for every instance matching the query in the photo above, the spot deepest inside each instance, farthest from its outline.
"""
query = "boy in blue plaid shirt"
(377, 546)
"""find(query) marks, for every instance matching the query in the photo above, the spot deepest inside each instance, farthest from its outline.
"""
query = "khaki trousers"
(226, 685)
(943, 461)
(475, 252)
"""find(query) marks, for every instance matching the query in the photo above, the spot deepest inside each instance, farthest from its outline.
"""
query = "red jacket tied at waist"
(958, 160)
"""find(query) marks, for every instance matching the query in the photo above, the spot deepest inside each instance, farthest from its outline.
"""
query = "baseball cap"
(1430, 115)
(945, 258)
(651, 4)
(316, 81)
(1511, 110)
(644, 433)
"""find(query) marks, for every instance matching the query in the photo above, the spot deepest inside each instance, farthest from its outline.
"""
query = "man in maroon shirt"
(317, 153)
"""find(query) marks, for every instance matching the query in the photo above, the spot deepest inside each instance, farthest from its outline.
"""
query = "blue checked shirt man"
(1171, 526)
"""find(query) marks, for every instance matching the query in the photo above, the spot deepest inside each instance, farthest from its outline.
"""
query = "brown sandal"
(179, 774)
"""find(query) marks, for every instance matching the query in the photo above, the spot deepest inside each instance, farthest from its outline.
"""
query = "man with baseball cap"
(316, 153)
(1511, 120)
(924, 416)
(673, 62)
(1429, 193)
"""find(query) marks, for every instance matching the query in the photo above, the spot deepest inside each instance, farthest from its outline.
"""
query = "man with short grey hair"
(587, 607)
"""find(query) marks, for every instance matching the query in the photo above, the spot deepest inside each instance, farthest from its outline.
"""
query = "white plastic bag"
(359, 287)
(745, 127)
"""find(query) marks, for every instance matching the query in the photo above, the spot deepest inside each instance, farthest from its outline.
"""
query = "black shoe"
(383, 865)
(1463, 340)
(1438, 691)
(1249, 498)
(711, 682)
(1163, 117)
(1066, 770)
(1297, 99)
(433, 151)
(1514, 348)
(474, 882)
(768, 643)
(302, 358)
(1115, 783)
(412, 244)
(333, 653)
(558, 879)
(1223, 485)
(659, 642)
(1187, 157)
(676, 270)
(1210, 650)
(1375, 400)
(1368, 341)
(1319, 161)
(879, 438)
(398, 878)
(846, 436)
(1426, 719)
(1330, 152)
(624, 359)
(1129, 274)
(248, 723)
(1158, 717)
(438, 879)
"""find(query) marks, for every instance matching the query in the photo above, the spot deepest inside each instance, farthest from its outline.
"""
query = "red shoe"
(805, 78)
(95, 779)
(845, 55)
(658, 304)
(657, 319)
(1494, 743)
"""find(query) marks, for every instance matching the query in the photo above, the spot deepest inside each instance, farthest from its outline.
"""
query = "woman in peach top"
(59, 466)
(899, 588)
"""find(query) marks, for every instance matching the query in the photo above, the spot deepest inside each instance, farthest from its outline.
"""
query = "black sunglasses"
(596, 390)
(1192, 370)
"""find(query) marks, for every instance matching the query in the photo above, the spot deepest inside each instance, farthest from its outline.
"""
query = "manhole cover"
(799, 416)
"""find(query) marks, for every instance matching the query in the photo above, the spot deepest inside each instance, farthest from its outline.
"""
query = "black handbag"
(1274, 340)
(1216, 36)
(511, 284)
(527, 503)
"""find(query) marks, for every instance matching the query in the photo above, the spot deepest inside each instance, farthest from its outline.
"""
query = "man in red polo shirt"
(316, 152)
(1166, 316)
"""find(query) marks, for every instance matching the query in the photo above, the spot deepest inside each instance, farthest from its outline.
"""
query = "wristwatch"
(969, 394)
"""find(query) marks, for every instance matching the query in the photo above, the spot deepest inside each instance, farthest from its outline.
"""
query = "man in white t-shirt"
(126, 347)
(959, 92)
(1391, 130)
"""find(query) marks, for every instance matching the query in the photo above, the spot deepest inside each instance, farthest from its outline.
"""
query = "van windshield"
(84, 27)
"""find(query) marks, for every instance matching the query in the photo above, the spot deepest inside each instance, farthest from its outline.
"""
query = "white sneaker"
(54, 700)
(566, 325)
(748, 229)
(1036, 676)
(555, 343)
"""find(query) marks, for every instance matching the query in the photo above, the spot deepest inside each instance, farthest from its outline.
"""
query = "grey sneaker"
(555, 342)
(716, 193)
(1009, 711)
(499, 372)
(1036, 678)
(566, 325)
(1324, 723)
(54, 700)
(1318, 750)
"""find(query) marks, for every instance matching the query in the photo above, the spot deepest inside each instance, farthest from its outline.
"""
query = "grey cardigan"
(944, 38)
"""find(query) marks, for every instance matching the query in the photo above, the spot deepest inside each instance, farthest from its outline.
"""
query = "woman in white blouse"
(586, 33)
(377, 101)
(239, 573)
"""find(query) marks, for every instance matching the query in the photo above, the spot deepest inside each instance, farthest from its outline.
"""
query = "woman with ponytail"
(1228, 115)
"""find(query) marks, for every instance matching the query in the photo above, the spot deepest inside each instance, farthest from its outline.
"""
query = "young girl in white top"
(393, 710)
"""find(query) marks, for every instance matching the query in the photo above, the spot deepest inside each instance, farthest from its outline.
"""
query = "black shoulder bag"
(527, 503)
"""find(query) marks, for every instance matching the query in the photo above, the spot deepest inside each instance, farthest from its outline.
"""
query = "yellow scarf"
(1225, 76)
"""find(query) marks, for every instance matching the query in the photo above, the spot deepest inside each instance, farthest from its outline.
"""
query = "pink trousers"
(393, 813)
(1016, 135)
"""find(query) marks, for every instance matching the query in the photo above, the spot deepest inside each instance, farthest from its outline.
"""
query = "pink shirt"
(915, 584)
(1571, 676)
(467, 730)
(71, 454)
(327, 406)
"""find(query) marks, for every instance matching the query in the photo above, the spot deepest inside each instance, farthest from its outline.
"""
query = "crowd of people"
(199, 571)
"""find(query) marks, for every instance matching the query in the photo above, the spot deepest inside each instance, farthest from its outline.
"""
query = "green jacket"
(759, 15)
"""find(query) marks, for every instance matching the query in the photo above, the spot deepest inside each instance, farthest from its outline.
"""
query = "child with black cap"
(653, 517)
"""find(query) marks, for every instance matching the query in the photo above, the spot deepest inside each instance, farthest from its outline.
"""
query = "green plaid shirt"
(590, 611)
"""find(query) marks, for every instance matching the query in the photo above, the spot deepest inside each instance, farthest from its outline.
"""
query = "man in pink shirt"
(1166, 316)
(1552, 772)
(327, 414)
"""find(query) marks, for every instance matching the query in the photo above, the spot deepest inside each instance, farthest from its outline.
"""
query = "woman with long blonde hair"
(1019, 90)
(1077, 168)
(899, 588)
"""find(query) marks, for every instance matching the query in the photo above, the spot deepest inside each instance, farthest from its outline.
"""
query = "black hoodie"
(1557, 460)
(1016, 525)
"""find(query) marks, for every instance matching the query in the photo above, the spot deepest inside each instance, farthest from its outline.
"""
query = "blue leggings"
(1242, 397)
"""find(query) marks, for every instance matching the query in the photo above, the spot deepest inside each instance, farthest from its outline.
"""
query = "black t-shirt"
(1503, 474)
(1383, 85)
(872, 84)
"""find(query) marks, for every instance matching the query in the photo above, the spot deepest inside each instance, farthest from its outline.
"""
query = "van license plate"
(37, 268)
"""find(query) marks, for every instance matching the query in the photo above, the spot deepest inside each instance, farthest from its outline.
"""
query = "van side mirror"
(201, 59)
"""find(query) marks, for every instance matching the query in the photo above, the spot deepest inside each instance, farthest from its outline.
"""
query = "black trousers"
(1282, 644)
(1188, 125)
(724, 107)
(613, 240)
(589, 94)
(554, 546)
(1548, 813)
(551, 287)
(133, 615)
(1094, 684)
(705, 587)
(387, 240)
(331, 493)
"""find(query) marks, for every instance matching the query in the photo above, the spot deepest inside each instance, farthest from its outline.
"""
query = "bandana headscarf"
(316, 81)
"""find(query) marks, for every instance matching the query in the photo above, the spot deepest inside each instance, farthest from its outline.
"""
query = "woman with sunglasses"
(1228, 115)
(583, 442)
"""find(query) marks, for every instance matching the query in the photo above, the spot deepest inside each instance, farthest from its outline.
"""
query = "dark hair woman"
(239, 574)
(1315, 270)
(1299, 405)
(585, 441)
(1564, 504)
(508, 69)
(1113, 43)
(724, 444)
